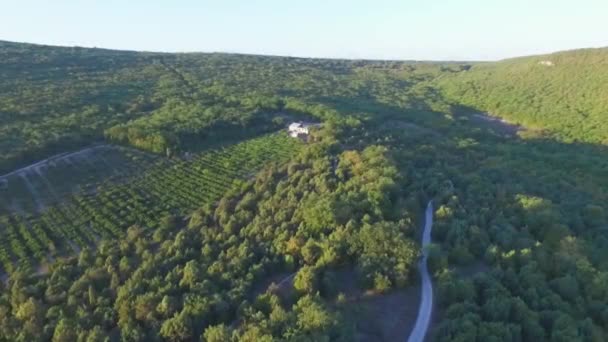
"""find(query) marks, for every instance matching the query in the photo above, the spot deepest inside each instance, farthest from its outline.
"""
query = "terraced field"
(139, 189)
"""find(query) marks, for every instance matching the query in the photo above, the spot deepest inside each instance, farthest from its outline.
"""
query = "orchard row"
(162, 189)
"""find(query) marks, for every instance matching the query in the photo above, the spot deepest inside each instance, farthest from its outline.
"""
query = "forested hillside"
(214, 226)
(56, 98)
(565, 93)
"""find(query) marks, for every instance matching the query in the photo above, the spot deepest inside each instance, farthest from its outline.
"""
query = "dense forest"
(562, 93)
(262, 237)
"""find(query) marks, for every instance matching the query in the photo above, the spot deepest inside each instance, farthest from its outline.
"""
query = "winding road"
(426, 302)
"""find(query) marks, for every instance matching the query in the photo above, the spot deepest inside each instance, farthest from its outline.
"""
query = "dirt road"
(426, 302)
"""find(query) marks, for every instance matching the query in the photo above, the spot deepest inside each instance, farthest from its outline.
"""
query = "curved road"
(426, 301)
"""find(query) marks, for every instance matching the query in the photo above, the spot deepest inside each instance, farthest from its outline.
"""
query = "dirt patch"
(378, 316)
(387, 317)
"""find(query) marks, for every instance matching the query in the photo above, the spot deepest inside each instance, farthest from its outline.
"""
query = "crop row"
(177, 187)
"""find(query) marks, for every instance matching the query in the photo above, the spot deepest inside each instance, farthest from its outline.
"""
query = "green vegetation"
(178, 250)
(56, 100)
(187, 279)
(165, 188)
(64, 175)
(563, 93)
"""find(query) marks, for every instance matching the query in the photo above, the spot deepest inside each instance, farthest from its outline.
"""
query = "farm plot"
(161, 188)
(36, 187)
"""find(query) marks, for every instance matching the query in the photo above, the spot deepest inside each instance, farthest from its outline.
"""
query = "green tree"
(216, 333)
(306, 280)
(177, 328)
(65, 331)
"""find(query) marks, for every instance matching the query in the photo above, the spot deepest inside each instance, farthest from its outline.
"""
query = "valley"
(155, 196)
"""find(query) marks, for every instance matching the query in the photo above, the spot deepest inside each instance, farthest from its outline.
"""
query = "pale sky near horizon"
(374, 29)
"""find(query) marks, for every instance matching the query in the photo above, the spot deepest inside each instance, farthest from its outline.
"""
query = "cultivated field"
(47, 215)
(35, 187)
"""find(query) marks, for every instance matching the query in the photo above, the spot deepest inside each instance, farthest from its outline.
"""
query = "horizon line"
(304, 57)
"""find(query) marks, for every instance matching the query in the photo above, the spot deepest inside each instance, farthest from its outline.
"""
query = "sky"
(372, 29)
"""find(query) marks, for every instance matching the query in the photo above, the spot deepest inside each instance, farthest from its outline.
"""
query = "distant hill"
(565, 93)
(54, 99)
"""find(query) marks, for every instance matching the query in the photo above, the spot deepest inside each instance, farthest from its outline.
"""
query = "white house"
(299, 128)
(546, 63)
